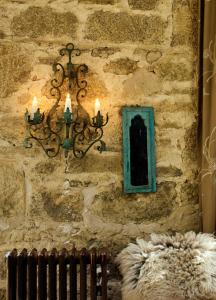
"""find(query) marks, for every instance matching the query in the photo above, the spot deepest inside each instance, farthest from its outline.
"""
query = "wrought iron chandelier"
(81, 132)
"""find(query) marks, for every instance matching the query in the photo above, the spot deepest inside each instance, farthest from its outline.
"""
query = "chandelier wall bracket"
(80, 132)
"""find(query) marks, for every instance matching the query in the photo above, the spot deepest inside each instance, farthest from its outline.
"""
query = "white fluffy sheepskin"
(176, 267)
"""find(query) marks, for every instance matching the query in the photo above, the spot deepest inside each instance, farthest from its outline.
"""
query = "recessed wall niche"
(139, 150)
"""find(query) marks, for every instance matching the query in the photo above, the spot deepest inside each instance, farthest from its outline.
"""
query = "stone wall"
(139, 52)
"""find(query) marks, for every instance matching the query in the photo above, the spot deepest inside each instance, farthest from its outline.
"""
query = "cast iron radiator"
(63, 275)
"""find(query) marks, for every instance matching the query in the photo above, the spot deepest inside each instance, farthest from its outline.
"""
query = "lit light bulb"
(68, 103)
(97, 106)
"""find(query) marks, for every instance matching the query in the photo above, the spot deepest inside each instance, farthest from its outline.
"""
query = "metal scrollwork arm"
(80, 134)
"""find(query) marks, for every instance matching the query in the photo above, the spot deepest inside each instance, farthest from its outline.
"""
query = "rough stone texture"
(15, 68)
(41, 21)
(153, 56)
(141, 54)
(96, 88)
(3, 294)
(3, 269)
(189, 192)
(46, 168)
(153, 208)
(98, 1)
(136, 85)
(13, 135)
(96, 163)
(48, 60)
(122, 27)
(185, 18)
(104, 52)
(174, 67)
(142, 4)
(12, 189)
(122, 66)
(63, 207)
(170, 171)
(190, 151)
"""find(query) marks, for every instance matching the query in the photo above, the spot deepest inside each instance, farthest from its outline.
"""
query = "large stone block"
(37, 22)
(15, 68)
(90, 180)
(174, 67)
(121, 66)
(114, 206)
(96, 162)
(185, 22)
(173, 121)
(122, 27)
(63, 206)
(175, 106)
(168, 171)
(12, 188)
(140, 85)
(184, 218)
(142, 4)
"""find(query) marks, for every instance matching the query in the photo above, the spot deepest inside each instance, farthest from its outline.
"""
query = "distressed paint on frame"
(147, 114)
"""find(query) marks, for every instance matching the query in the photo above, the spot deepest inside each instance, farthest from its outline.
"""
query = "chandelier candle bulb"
(97, 106)
(68, 103)
(35, 107)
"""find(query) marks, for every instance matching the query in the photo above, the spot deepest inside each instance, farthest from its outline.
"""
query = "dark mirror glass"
(138, 152)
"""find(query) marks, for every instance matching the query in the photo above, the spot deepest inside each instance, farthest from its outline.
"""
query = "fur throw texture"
(176, 267)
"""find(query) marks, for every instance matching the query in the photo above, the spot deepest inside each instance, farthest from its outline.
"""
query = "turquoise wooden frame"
(147, 113)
